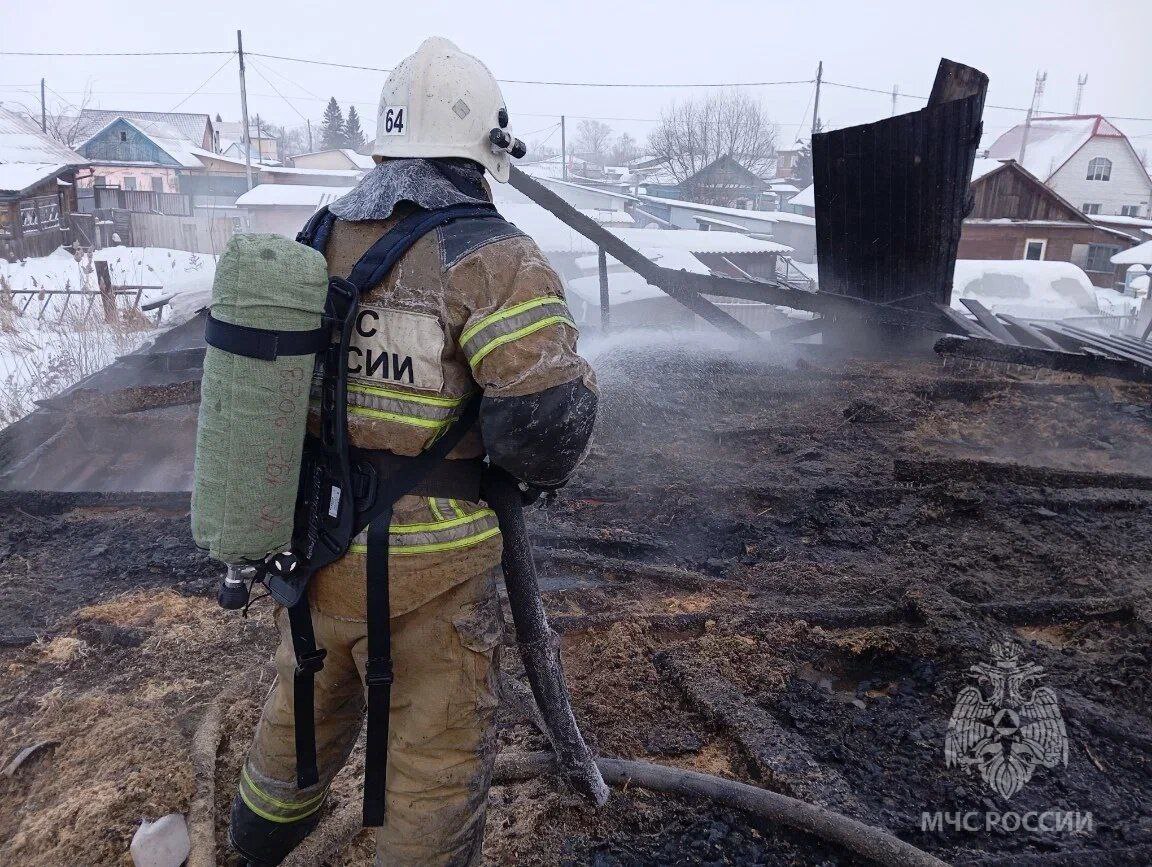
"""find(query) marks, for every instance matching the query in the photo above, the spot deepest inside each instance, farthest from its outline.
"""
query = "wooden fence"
(191, 234)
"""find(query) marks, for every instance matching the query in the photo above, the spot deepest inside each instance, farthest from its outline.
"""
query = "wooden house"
(1016, 216)
(1084, 158)
(37, 189)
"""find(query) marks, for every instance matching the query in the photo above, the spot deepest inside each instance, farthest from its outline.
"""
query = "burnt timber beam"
(1066, 362)
(624, 254)
(934, 470)
(687, 288)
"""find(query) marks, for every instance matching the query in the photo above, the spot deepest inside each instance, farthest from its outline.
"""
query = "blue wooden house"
(141, 155)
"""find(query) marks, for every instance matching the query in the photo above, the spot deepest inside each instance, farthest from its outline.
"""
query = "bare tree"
(592, 138)
(624, 150)
(695, 133)
(62, 119)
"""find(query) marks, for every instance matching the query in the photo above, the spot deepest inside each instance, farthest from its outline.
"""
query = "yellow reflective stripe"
(403, 419)
(272, 817)
(456, 507)
(435, 509)
(295, 812)
(412, 398)
(516, 335)
(440, 525)
(433, 546)
(506, 314)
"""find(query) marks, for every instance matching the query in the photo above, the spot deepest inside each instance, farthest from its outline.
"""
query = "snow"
(1051, 143)
(291, 195)
(623, 287)
(15, 177)
(677, 260)
(982, 167)
(696, 241)
(766, 216)
(1138, 255)
(51, 347)
(358, 159)
(1116, 220)
(608, 216)
(1031, 290)
(806, 197)
(22, 142)
(723, 224)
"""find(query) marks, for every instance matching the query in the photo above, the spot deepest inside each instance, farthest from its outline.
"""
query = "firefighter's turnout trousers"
(445, 655)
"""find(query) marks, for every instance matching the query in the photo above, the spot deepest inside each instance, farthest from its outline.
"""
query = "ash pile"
(782, 570)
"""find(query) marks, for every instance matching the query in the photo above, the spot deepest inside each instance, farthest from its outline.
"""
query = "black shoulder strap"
(375, 264)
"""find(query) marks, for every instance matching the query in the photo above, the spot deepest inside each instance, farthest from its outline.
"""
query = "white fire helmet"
(441, 102)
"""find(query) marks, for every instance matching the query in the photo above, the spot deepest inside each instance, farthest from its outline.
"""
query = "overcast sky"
(870, 44)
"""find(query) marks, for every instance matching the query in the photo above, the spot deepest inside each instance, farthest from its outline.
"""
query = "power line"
(109, 53)
(219, 69)
(548, 83)
(278, 93)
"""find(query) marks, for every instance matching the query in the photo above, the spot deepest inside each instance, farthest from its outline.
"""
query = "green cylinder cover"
(253, 413)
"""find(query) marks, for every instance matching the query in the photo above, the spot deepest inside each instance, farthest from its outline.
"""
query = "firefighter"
(472, 306)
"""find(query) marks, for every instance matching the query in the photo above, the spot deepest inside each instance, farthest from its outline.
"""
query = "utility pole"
(259, 136)
(43, 110)
(816, 106)
(244, 111)
(1080, 82)
(1037, 94)
(563, 148)
(895, 96)
(309, 135)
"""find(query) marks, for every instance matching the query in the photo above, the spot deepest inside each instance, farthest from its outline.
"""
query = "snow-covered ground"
(53, 345)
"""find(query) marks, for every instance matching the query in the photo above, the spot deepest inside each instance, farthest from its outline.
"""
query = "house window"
(157, 184)
(1099, 169)
(1099, 258)
(99, 181)
(1129, 210)
(1034, 249)
(123, 136)
(129, 183)
(1091, 208)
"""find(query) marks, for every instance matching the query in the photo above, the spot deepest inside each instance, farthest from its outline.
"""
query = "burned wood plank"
(933, 470)
(989, 322)
(778, 756)
(672, 576)
(1067, 362)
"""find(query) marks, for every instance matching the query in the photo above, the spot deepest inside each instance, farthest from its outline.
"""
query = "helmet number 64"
(393, 120)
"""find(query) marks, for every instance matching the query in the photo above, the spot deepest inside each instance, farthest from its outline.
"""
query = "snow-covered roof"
(1025, 288)
(290, 196)
(359, 160)
(1138, 255)
(1051, 141)
(806, 197)
(696, 241)
(609, 216)
(28, 156)
(743, 213)
(623, 287)
(189, 125)
(16, 177)
(351, 174)
(165, 136)
(614, 193)
(725, 224)
(1116, 220)
(984, 167)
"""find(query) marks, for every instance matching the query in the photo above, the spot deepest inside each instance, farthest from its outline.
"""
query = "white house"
(1085, 159)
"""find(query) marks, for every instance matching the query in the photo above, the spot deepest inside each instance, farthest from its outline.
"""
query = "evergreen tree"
(353, 134)
(332, 127)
